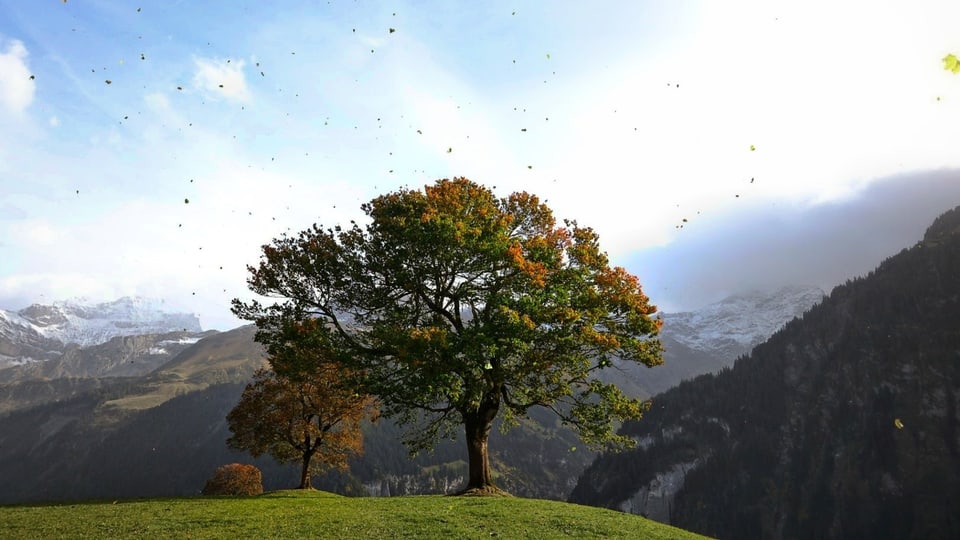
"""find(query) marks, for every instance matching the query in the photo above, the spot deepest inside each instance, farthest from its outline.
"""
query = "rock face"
(844, 424)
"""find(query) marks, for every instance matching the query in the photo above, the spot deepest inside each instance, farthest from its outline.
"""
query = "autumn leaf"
(951, 63)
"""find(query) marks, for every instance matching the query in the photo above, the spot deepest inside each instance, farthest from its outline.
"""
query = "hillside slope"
(844, 424)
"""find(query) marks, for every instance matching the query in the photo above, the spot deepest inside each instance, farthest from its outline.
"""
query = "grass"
(316, 514)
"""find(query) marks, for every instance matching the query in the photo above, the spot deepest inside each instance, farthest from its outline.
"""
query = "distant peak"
(84, 322)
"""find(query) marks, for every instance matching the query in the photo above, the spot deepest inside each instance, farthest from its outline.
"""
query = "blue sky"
(627, 116)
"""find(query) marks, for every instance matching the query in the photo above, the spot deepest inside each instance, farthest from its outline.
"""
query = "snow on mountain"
(21, 343)
(75, 321)
(740, 321)
(713, 337)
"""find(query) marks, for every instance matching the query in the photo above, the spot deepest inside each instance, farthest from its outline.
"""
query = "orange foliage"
(314, 420)
(234, 479)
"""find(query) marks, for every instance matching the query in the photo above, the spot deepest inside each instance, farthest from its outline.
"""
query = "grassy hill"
(317, 514)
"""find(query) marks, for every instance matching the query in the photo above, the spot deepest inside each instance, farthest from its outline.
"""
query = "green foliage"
(313, 514)
(235, 479)
(457, 306)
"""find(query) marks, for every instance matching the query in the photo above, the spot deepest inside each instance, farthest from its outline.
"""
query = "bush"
(235, 479)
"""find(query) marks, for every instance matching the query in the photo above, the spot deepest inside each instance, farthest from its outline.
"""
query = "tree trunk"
(305, 471)
(477, 426)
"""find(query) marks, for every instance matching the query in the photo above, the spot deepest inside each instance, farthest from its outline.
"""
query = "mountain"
(844, 424)
(711, 338)
(162, 398)
(108, 433)
(84, 324)
(21, 342)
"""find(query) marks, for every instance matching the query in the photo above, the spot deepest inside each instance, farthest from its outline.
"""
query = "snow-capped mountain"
(21, 342)
(87, 324)
(739, 322)
(712, 337)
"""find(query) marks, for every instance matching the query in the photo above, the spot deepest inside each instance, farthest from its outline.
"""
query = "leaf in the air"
(951, 63)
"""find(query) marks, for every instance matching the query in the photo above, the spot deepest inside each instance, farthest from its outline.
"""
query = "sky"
(150, 148)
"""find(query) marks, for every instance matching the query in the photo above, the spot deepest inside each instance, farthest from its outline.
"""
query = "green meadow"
(317, 514)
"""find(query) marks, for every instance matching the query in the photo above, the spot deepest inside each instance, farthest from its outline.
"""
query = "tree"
(458, 307)
(314, 419)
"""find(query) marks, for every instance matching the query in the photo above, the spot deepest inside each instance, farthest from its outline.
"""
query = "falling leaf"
(951, 63)
(752, 148)
(548, 56)
(898, 423)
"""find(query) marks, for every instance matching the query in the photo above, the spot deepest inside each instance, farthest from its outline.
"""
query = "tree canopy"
(458, 306)
(313, 418)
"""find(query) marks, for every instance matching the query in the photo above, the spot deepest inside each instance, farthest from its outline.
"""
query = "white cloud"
(223, 78)
(16, 86)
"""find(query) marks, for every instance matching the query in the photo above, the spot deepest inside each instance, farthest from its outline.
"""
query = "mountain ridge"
(844, 424)
(82, 323)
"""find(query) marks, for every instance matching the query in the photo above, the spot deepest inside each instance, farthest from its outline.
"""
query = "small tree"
(235, 479)
(458, 307)
(313, 419)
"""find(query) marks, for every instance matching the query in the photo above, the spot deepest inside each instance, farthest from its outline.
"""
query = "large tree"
(312, 418)
(459, 306)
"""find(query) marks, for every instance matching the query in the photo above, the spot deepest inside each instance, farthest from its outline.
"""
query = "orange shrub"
(235, 479)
